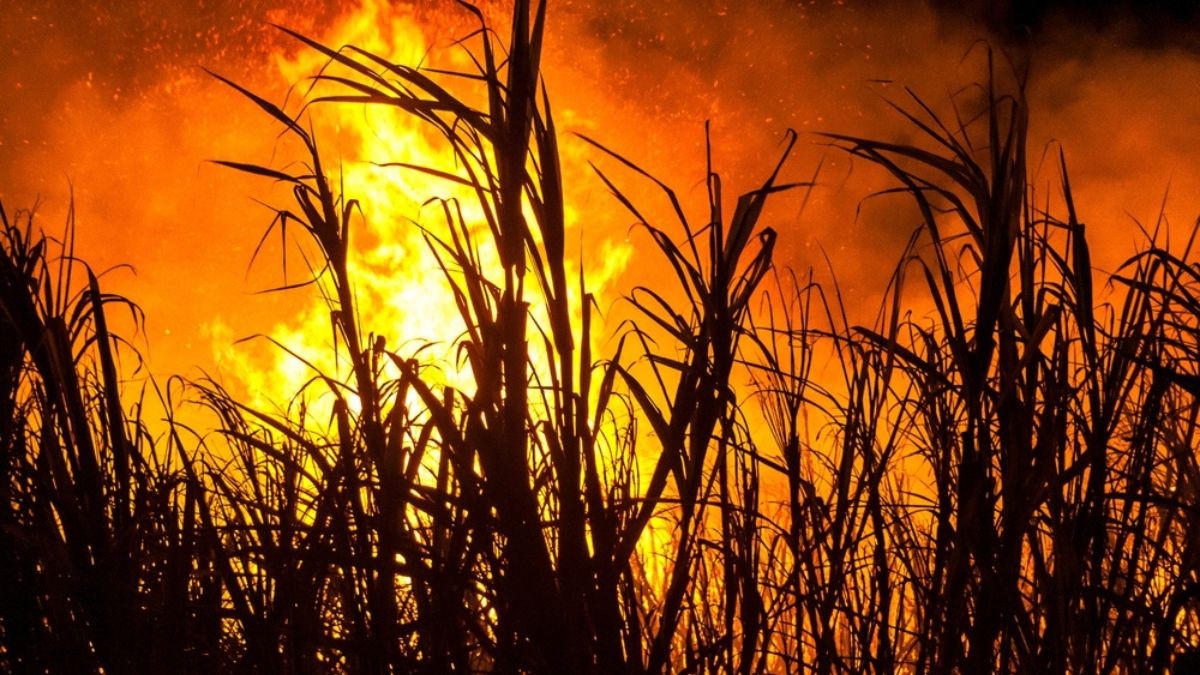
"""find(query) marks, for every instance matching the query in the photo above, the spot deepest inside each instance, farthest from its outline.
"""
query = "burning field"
(599, 337)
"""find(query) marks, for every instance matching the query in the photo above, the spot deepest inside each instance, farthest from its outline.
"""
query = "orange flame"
(401, 292)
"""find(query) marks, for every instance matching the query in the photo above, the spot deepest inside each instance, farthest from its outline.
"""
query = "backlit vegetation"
(999, 474)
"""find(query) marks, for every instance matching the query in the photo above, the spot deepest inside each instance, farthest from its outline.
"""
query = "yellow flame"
(401, 293)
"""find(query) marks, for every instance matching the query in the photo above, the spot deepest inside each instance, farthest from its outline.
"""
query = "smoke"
(108, 97)
(1123, 107)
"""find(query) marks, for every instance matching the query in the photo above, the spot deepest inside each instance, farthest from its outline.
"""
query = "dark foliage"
(999, 475)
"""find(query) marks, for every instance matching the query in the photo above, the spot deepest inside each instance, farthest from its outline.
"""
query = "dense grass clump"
(1001, 474)
(103, 550)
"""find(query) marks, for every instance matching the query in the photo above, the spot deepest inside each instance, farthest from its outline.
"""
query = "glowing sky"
(109, 97)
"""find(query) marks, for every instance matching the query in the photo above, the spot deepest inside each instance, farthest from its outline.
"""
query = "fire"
(1027, 459)
(401, 292)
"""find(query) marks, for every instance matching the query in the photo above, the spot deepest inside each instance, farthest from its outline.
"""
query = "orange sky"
(109, 98)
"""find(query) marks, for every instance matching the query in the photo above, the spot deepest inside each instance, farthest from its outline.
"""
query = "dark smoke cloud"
(1147, 24)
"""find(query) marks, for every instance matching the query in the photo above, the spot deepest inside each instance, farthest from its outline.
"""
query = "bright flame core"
(401, 293)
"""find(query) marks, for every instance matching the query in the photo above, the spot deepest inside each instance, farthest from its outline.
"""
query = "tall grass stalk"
(997, 475)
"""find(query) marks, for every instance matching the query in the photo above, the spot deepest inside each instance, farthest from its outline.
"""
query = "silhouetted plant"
(999, 474)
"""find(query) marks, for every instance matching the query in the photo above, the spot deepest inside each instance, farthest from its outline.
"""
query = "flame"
(401, 292)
